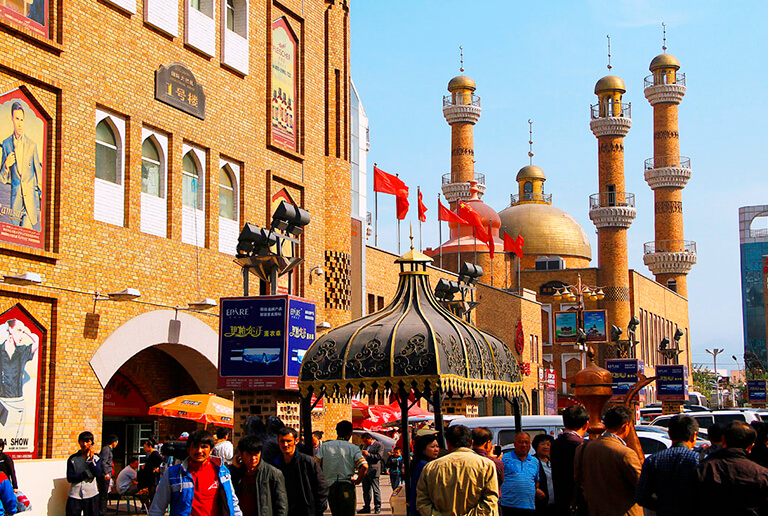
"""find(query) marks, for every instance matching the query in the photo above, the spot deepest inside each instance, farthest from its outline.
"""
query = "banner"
(756, 391)
(283, 98)
(23, 132)
(262, 341)
(566, 324)
(19, 381)
(624, 372)
(671, 382)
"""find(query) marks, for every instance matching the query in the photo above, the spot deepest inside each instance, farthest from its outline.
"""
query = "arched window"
(227, 198)
(107, 153)
(230, 12)
(151, 170)
(190, 177)
(672, 285)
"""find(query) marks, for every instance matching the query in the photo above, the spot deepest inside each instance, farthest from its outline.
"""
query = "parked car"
(503, 427)
(707, 419)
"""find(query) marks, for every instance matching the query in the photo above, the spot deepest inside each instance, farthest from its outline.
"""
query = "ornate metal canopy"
(412, 343)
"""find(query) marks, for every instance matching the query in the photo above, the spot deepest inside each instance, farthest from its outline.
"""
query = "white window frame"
(154, 210)
(193, 220)
(109, 197)
(229, 229)
(234, 43)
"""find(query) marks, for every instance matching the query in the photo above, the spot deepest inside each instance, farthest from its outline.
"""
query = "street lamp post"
(738, 372)
(573, 293)
(714, 352)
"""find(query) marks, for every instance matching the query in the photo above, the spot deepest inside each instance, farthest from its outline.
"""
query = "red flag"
(514, 246)
(469, 214)
(422, 208)
(389, 184)
(489, 240)
(448, 216)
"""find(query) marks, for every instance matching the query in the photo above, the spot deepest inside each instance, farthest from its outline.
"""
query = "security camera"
(317, 271)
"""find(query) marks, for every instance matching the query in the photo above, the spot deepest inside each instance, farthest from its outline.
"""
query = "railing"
(461, 99)
(668, 161)
(480, 178)
(514, 199)
(612, 109)
(665, 78)
(608, 199)
(670, 246)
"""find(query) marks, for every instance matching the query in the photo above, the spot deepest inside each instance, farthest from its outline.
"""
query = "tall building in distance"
(753, 243)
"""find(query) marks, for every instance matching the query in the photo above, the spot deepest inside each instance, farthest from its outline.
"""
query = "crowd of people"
(266, 474)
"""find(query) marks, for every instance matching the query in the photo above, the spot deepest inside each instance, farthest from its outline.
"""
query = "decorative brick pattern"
(338, 291)
(669, 207)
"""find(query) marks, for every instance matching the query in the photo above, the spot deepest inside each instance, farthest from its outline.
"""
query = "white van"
(503, 427)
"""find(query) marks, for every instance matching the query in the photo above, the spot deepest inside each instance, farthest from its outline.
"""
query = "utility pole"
(714, 352)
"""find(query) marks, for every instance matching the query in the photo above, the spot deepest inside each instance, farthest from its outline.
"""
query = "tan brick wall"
(101, 57)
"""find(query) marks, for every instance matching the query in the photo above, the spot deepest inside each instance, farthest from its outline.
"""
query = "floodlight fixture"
(470, 273)
(290, 219)
(633, 324)
(128, 294)
(203, 304)
(663, 344)
(616, 333)
(24, 279)
(678, 335)
(445, 289)
(254, 240)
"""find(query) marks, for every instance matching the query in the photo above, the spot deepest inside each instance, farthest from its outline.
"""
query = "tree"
(702, 380)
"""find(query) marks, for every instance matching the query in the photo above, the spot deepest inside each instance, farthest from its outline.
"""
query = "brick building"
(156, 129)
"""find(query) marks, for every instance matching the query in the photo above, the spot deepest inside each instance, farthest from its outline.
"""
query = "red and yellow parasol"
(202, 408)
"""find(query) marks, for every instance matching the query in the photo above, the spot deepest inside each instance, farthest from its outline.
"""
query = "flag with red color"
(489, 240)
(389, 184)
(469, 214)
(447, 215)
(422, 208)
(514, 246)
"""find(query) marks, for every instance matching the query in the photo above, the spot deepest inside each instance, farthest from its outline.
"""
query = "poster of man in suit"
(22, 170)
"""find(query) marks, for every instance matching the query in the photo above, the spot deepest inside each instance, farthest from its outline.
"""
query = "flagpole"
(519, 287)
(506, 271)
(440, 229)
(418, 196)
(398, 224)
(474, 234)
(490, 238)
(458, 238)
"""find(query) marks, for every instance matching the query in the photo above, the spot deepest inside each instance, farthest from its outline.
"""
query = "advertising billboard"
(566, 324)
(671, 382)
(283, 98)
(624, 372)
(595, 326)
(262, 341)
(756, 391)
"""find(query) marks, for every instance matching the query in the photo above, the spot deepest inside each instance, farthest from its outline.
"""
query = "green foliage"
(702, 377)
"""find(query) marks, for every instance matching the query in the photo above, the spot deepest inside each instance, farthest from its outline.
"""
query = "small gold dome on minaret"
(664, 61)
(461, 82)
(610, 83)
(530, 172)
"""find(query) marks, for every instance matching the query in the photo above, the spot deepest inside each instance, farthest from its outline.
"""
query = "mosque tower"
(612, 210)
(669, 257)
(461, 109)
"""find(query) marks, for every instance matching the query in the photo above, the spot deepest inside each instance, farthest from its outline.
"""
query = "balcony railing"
(480, 178)
(670, 246)
(663, 78)
(514, 199)
(612, 109)
(461, 99)
(609, 199)
(667, 162)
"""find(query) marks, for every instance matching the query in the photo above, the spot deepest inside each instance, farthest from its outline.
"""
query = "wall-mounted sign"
(122, 398)
(566, 324)
(624, 372)
(262, 341)
(24, 133)
(549, 288)
(519, 338)
(756, 391)
(671, 382)
(176, 86)
(20, 339)
(595, 326)
(283, 98)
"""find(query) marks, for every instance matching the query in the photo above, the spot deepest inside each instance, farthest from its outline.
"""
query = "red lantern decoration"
(519, 338)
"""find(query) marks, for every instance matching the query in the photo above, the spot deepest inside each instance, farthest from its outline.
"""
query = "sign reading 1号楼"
(671, 382)
(624, 372)
(262, 341)
(756, 391)
(177, 87)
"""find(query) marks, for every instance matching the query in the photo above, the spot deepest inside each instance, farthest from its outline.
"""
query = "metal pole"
(440, 229)
(398, 235)
(437, 406)
(306, 422)
(376, 219)
(403, 395)
(245, 281)
(273, 282)
(474, 237)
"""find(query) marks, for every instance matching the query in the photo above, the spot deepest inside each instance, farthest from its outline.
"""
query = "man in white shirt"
(126, 480)
(223, 447)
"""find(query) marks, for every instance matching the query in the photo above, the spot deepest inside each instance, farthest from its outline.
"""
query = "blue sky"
(541, 60)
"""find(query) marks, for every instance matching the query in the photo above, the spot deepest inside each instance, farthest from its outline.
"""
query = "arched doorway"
(150, 358)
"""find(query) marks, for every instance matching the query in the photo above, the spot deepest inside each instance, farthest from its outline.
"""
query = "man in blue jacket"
(199, 485)
(7, 496)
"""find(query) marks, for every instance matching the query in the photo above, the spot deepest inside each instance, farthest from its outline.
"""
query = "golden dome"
(664, 61)
(461, 82)
(530, 172)
(610, 83)
(547, 230)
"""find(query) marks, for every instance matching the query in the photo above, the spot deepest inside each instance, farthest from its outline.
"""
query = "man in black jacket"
(728, 482)
(107, 468)
(576, 421)
(260, 487)
(82, 468)
(373, 452)
(304, 480)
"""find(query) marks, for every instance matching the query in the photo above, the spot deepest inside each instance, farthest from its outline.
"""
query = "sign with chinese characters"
(20, 338)
(756, 391)
(565, 326)
(550, 288)
(624, 372)
(671, 382)
(594, 325)
(30, 14)
(283, 98)
(176, 86)
(262, 341)
(23, 182)
(550, 391)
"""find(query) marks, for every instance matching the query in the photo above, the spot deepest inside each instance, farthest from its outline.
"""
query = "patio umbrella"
(379, 416)
(413, 411)
(202, 408)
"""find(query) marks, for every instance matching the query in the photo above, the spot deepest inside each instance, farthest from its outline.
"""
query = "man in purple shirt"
(482, 444)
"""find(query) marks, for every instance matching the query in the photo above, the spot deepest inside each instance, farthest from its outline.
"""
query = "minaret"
(669, 257)
(462, 111)
(612, 209)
